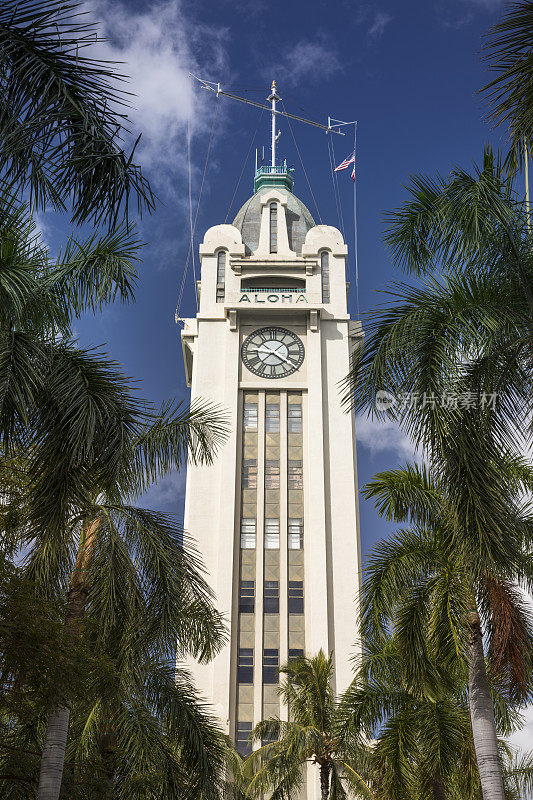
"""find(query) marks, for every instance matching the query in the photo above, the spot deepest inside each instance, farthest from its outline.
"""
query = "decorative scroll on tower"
(276, 515)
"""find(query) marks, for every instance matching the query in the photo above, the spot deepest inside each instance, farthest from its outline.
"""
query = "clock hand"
(287, 360)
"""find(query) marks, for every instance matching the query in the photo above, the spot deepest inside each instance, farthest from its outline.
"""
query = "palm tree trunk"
(482, 716)
(324, 781)
(107, 746)
(53, 757)
(438, 787)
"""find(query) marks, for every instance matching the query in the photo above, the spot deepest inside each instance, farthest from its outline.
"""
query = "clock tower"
(276, 514)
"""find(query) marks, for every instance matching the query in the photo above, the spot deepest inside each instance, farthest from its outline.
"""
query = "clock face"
(273, 352)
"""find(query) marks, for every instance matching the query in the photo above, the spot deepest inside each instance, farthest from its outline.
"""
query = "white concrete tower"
(276, 515)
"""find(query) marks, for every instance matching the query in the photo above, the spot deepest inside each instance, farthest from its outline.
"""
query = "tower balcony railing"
(268, 169)
(274, 175)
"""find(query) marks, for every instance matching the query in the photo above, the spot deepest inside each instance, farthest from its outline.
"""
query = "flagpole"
(355, 222)
(273, 97)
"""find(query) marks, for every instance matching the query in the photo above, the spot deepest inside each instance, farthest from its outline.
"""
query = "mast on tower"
(274, 97)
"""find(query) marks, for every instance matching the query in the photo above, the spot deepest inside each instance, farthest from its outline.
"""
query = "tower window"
(242, 738)
(247, 534)
(272, 475)
(294, 418)
(295, 652)
(250, 417)
(221, 276)
(249, 473)
(247, 597)
(271, 534)
(245, 665)
(296, 597)
(271, 597)
(295, 536)
(324, 265)
(270, 665)
(295, 475)
(273, 227)
(272, 418)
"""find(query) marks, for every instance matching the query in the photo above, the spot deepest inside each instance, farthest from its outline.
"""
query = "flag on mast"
(346, 163)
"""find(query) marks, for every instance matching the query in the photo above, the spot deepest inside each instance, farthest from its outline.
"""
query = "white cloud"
(380, 437)
(524, 737)
(309, 60)
(159, 47)
(166, 494)
(373, 19)
(379, 23)
(42, 227)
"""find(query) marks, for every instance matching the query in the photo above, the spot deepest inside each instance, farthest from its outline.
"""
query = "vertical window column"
(248, 586)
(324, 267)
(295, 523)
(221, 276)
(283, 551)
(271, 584)
(260, 616)
(242, 734)
(273, 227)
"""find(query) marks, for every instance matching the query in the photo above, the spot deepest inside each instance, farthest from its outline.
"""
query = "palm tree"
(434, 592)
(86, 444)
(311, 736)
(509, 94)
(420, 733)
(471, 314)
(63, 114)
(143, 732)
(138, 728)
(462, 337)
(129, 559)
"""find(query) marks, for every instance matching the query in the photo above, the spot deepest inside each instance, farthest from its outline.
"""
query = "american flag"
(346, 163)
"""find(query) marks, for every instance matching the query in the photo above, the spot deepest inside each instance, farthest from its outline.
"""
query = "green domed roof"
(299, 221)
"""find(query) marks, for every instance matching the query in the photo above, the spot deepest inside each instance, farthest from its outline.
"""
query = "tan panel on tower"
(272, 558)
(296, 558)
(247, 569)
(248, 558)
(272, 510)
(271, 639)
(271, 623)
(245, 712)
(296, 622)
(296, 572)
(296, 640)
(250, 449)
(271, 572)
(246, 622)
(246, 638)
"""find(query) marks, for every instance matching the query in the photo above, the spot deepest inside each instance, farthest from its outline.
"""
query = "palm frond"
(62, 114)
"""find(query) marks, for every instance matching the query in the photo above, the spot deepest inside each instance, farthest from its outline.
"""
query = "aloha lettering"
(297, 297)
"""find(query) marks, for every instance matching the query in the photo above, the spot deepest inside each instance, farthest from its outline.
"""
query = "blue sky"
(407, 71)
